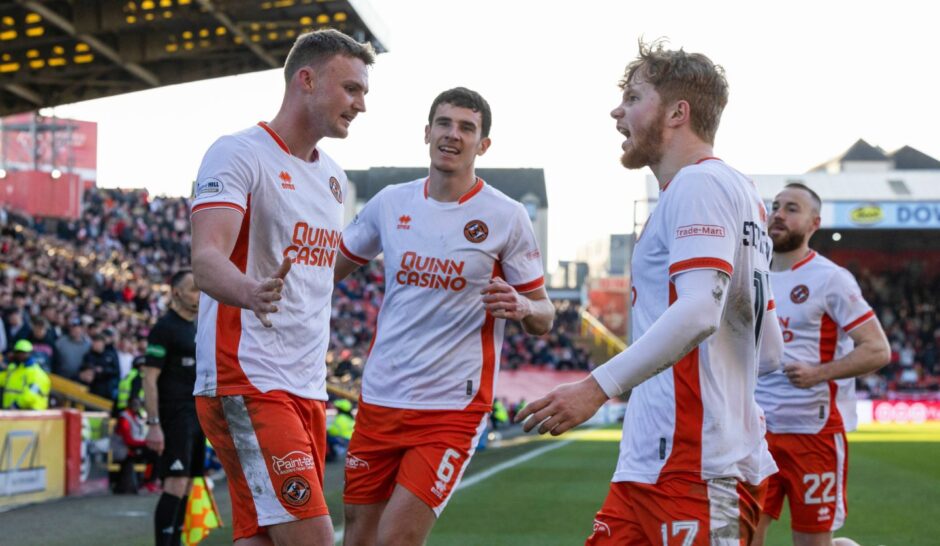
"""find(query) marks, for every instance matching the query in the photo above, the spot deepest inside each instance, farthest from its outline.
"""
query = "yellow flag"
(202, 515)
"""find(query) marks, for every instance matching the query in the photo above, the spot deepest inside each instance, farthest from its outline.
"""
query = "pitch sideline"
(488, 473)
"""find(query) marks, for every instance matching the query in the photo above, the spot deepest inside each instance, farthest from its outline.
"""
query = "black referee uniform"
(171, 347)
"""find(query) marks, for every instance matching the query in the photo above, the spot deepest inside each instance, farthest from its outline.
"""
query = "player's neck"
(679, 155)
(784, 261)
(448, 187)
(299, 138)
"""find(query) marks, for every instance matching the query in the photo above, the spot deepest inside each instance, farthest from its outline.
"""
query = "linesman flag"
(202, 514)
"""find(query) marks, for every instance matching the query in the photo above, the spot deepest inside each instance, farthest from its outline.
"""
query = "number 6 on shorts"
(445, 472)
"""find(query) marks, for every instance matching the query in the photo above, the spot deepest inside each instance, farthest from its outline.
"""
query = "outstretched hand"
(267, 292)
(565, 407)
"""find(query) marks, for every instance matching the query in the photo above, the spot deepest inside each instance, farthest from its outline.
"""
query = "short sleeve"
(224, 178)
(700, 224)
(157, 343)
(521, 259)
(844, 301)
(362, 239)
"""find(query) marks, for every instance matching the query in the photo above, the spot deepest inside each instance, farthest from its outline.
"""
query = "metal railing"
(601, 338)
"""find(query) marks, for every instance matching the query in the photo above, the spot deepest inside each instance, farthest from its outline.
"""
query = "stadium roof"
(516, 183)
(902, 159)
(907, 158)
(56, 52)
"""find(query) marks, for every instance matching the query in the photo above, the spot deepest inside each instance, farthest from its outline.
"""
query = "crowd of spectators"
(85, 293)
(905, 302)
(558, 350)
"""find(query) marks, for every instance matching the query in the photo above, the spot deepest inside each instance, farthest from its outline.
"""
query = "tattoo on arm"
(721, 282)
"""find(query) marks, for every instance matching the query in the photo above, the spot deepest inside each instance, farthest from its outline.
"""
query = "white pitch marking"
(488, 473)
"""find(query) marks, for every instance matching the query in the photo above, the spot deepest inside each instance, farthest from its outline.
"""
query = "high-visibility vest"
(25, 386)
(125, 386)
(500, 413)
(342, 426)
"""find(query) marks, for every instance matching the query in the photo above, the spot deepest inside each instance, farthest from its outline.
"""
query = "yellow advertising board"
(32, 456)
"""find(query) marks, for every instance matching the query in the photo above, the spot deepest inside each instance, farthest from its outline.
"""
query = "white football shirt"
(699, 416)
(818, 303)
(291, 208)
(435, 346)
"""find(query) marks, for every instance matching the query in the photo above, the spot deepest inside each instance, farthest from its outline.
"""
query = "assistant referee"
(174, 431)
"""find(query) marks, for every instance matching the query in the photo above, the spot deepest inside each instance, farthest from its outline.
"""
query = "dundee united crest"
(476, 231)
(295, 491)
(799, 293)
(337, 191)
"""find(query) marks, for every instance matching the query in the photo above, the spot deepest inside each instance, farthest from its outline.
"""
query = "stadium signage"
(20, 474)
(867, 214)
(916, 411)
(31, 465)
(887, 215)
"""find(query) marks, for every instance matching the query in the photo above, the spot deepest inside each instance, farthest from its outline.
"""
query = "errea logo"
(601, 528)
(355, 463)
(286, 181)
(404, 222)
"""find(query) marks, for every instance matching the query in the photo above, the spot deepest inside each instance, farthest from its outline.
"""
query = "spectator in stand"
(110, 342)
(126, 351)
(16, 327)
(43, 343)
(100, 369)
(71, 350)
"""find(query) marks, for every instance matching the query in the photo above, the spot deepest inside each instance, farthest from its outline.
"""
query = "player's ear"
(680, 112)
(427, 134)
(306, 78)
(484, 145)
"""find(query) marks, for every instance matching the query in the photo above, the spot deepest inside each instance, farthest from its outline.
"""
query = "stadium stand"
(104, 275)
(905, 302)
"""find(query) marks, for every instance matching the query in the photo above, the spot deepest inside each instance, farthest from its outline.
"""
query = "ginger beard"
(646, 145)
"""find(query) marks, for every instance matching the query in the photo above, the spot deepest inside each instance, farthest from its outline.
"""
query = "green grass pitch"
(548, 499)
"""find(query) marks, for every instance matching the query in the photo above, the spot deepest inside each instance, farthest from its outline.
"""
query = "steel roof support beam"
(227, 23)
(100, 47)
(24, 93)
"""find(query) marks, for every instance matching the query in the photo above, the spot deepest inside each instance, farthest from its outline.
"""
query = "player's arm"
(695, 315)
(871, 352)
(771, 345)
(532, 308)
(214, 234)
(344, 266)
